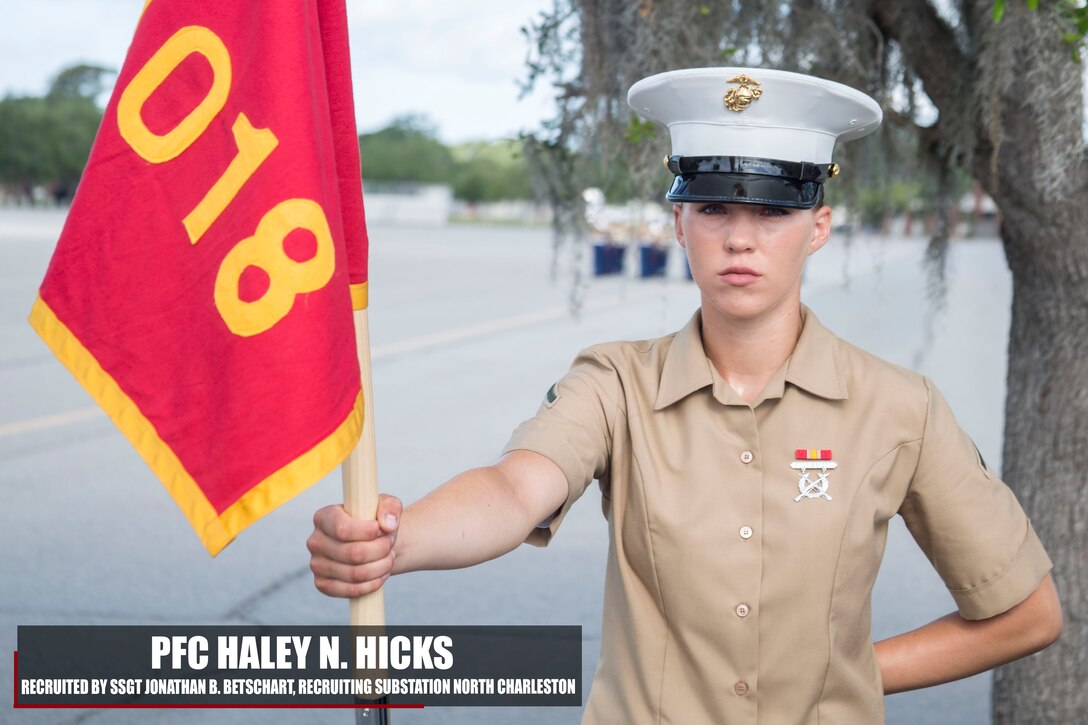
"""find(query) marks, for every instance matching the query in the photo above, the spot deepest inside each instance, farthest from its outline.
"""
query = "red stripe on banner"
(825, 455)
(801, 454)
(289, 706)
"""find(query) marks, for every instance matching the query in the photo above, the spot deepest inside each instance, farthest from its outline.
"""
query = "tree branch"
(929, 46)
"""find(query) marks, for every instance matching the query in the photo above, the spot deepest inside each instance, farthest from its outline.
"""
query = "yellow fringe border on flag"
(359, 296)
(214, 530)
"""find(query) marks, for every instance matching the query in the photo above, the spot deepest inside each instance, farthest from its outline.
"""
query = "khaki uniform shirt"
(727, 600)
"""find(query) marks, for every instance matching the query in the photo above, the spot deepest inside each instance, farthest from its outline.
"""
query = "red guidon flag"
(202, 288)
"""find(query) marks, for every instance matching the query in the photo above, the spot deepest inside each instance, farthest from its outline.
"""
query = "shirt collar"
(686, 368)
(813, 366)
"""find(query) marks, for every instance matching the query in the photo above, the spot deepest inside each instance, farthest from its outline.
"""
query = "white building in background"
(407, 203)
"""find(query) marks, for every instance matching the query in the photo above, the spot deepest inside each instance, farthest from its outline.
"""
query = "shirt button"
(746, 457)
(745, 532)
(741, 688)
(742, 610)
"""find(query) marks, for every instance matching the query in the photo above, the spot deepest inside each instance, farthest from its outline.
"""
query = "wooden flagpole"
(360, 474)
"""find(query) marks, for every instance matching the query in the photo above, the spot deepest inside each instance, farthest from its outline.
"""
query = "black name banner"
(177, 666)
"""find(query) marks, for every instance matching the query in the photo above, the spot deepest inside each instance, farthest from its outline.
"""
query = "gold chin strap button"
(832, 171)
(665, 161)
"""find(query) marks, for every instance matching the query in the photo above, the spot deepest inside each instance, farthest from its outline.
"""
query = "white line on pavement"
(414, 344)
(49, 421)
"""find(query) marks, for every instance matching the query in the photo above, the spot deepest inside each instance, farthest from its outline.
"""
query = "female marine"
(749, 462)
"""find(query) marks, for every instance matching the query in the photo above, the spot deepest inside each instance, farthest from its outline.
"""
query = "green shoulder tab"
(552, 395)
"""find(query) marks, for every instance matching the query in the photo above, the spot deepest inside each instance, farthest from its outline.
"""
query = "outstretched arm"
(475, 516)
(952, 647)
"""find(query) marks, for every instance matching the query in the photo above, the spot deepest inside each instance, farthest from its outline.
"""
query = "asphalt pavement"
(470, 325)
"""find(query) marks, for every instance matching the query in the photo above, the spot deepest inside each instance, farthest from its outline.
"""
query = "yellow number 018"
(264, 250)
(287, 278)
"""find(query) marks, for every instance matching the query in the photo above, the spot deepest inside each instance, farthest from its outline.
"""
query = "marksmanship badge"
(817, 461)
(738, 99)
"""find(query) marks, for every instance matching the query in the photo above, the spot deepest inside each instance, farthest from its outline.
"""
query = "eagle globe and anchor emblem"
(738, 99)
(813, 462)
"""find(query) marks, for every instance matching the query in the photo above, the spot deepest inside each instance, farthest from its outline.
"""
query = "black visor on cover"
(742, 180)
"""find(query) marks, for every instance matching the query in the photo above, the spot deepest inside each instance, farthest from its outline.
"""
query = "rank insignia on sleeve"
(552, 395)
(817, 462)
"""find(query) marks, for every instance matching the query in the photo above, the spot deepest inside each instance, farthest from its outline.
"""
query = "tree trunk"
(1042, 191)
(1046, 457)
(1018, 84)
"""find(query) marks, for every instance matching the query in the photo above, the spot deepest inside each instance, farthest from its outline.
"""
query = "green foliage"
(47, 140)
(875, 205)
(639, 130)
(1075, 13)
(615, 180)
(80, 81)
(490, 172)
(408, 150)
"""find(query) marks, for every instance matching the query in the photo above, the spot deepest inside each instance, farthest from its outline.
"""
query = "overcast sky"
(457, 61)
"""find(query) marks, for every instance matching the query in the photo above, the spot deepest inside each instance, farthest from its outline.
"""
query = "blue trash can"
(654, 259)
(607, 259)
